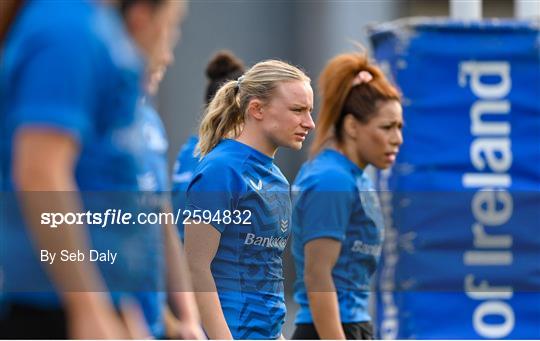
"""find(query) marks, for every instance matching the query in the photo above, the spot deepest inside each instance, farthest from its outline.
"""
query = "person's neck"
(348, 150)
(257, 141)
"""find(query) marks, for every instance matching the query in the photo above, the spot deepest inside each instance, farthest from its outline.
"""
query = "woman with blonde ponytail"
(337, 224)
(238, 208)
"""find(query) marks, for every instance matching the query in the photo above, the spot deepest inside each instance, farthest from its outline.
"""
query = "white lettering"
(367, 249)
(45, 219)
(477, 70)
(47, 256)
(249, 239)
(492, 205)
(491, 148)
(96, 256)
(475, 180)
(66, 256)
(483, 240)
(485, 291)
(493, 330)
(484, 207)
(488, 258)
(480, 108)
(269, 242)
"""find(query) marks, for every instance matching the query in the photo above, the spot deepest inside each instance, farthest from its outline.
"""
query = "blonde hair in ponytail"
(224, 115)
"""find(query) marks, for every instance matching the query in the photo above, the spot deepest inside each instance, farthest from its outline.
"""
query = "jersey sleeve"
(215, 188)
(323, 209)
(56, 83)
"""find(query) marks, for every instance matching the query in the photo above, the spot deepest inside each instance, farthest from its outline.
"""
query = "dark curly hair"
(224, 66)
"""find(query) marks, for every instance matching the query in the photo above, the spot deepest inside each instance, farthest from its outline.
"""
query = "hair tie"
(362, 77)
(239, 81)
(237, 86)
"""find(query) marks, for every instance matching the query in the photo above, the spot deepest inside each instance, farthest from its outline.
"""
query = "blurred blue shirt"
(72, 68)
(184, 168)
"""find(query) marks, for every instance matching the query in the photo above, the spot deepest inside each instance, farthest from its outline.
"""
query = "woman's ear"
(350, 126)
(255, 109)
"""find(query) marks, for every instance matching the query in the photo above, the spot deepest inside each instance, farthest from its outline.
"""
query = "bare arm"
(43, 166)
(320, 256)
(201, 244)
(180, 291)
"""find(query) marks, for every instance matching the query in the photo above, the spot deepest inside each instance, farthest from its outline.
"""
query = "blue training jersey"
(334, 198)
(153, 178)
(247, 267)
(184, 168)
(71, 67)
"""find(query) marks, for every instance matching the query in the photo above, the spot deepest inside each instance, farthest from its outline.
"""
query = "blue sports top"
(155, 176)
(185, 164)
(247, 268)
(334, 198)
(184, 167)
(71, 67)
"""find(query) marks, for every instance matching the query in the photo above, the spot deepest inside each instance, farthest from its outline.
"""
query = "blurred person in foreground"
(337, 220)
(181, 314)
(70, 78)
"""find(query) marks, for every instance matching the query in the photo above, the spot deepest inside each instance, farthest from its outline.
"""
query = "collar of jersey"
(263, 158)
(343, 160)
